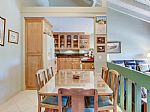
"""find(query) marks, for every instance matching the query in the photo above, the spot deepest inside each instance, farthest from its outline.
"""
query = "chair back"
(41, 78)
(77, 98)
(104, 74)
(113, 82)
(52, 71)
(49, 73)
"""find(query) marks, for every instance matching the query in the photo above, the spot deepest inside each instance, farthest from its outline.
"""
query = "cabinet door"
(62, 41)
(87, 65)
(56, 41)
(69, 63)
(84, 41)
(75, 41)
(68, 41)
(76, 63)
(34, 33)
(33, 64)
(62, 63)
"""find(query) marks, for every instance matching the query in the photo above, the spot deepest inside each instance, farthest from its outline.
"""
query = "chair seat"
(102, 101)
(53, 100)
(85, 110)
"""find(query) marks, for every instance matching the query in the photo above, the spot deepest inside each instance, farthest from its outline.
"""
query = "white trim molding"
(145, 2)
(63, 11)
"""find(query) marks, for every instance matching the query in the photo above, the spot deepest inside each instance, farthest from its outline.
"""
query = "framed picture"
(100, 40)
(13, 37)
(2, 30)
(100, 24)
(114, 47)
(100, 48)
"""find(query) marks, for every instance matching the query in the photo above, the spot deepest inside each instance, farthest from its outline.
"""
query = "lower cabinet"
(87, 65)
(68, 63)
(33, 63)
(76, 63)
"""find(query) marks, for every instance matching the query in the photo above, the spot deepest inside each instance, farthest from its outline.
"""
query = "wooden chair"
(78, 99)
(52, 71)
(104, 74)
(106, 103)
(49, 73)
(41, 78)
(50, 103)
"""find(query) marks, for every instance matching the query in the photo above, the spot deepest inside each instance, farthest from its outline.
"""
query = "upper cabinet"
(34, 29)
(71, 40)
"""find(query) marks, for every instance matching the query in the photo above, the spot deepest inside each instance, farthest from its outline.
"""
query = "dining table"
(76, 78)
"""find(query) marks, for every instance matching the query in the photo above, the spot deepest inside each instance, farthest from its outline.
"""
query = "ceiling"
(129, 7)
(66, 3)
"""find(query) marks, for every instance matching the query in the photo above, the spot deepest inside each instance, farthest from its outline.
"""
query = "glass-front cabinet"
(71, 40)
(62, 41)
(56, 41)
(75, 41)
(84, 41)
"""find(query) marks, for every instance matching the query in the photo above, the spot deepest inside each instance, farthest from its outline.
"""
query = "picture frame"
(100, 48)
(2, 30)
(114, 47)
(100, 24)
(13, 36)
(100, 40)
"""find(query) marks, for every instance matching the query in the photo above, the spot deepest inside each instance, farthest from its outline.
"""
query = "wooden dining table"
(87, 80)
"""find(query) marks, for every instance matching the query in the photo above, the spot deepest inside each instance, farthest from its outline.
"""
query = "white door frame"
(57, 12)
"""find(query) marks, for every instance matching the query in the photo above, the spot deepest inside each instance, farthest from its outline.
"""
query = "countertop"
(87, 59)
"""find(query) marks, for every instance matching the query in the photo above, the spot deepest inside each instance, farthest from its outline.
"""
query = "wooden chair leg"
(115, 110)
(48, 110)
(39, 109)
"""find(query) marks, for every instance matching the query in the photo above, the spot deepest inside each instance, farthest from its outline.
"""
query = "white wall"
(10, 54)
(74, 24)
(134, 35)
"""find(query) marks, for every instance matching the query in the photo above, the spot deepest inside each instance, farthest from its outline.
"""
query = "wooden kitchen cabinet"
(76, 63)
(35, 28)
(71, 40)
(34, 62)
(87, 65)
(34, 44)
(68, 63)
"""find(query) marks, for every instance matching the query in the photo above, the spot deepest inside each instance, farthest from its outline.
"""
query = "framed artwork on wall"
(100, 40)
(114, 47)
(100, 48)
(100, 24)
(2, 30)
(13, 36)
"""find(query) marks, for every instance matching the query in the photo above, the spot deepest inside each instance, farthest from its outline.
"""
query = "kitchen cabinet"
(71, 40)
(37, 30)
(87, 65)
(67, 62)
(34, 62)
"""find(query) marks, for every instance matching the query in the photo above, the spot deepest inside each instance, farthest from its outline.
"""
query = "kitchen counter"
(69, 54)
(86, 59)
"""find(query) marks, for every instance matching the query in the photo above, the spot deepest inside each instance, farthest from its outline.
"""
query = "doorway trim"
(57, 12)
